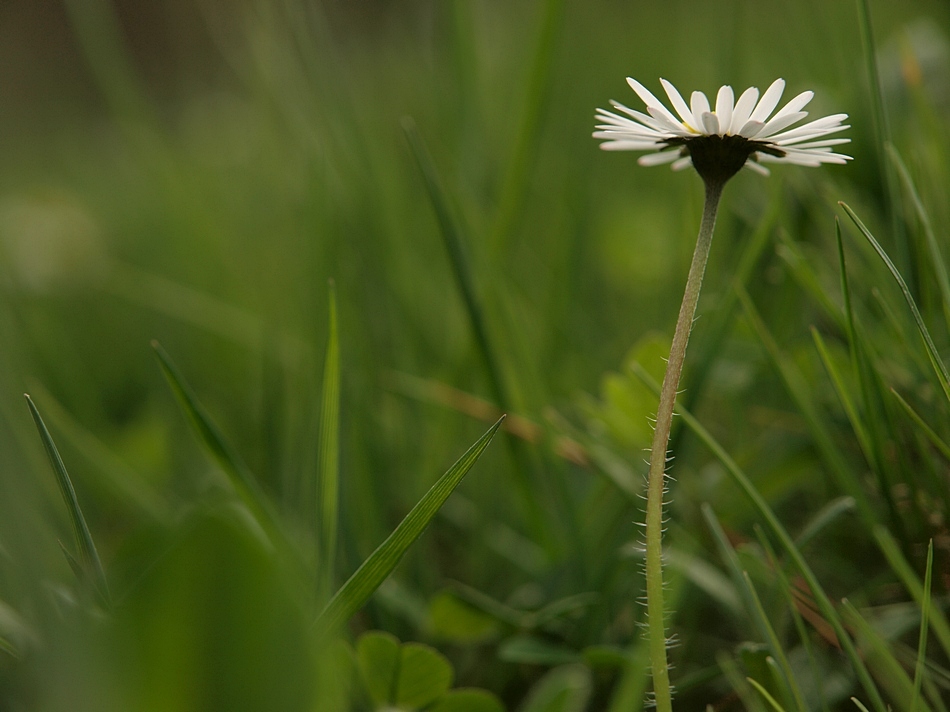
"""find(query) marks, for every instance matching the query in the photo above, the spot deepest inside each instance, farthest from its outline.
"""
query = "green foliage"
(412, 676)
(198, 177)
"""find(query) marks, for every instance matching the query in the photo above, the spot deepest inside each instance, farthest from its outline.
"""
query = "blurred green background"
(195, 171)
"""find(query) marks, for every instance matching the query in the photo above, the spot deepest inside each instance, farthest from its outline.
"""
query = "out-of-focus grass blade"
(892, 552)
(871, 436)
(372, 572)
(882, 131)
(827, 515)
(223, 452)
(939, 367)
(924, 622)
(121, 480)
(936, 257)
(778, 530)
(791, 252)
(932, 436)
(849, 408)
(88, 556)
(783, 673)
(881, 660)
(516, 176)
(859, 704)
(793, 605)
(765, 695)
(329, 471)
(820, 430)
(461, 266)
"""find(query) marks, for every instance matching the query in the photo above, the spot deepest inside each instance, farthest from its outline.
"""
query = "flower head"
(718, 142)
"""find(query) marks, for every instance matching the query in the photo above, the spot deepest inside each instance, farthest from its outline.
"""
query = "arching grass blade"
(89, 562)
(367, 578)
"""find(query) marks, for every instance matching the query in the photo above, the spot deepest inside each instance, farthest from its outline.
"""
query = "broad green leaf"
(377, 657)
(227, 457)
(329, 471)
(424, 676)
(535, 651)
(940, 369)
(371, 573)
(88, 556)
(465, 700)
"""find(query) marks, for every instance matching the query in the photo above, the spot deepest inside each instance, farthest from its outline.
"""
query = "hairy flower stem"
(658, 455)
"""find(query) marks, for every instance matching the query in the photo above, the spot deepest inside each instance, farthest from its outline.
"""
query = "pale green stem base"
(656, 631)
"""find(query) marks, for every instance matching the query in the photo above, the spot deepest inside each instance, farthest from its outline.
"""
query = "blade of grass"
(121, 480)
(882, 132)
(929, 432)
(535, 93)
(241, 477)
(826, 516)
(329, 469)
(880, 659)
(924, 621)
(874, 438)
(793, 605)
(765, 695)
(936, 257)
(455, 246)
(784, 672)
(778, 530)
(374, 570)
(799, 389)
(88, 556)
(939, 367)
(905, 572)
(870, 443)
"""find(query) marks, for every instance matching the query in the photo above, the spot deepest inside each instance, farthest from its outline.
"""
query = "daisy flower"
(718, 142)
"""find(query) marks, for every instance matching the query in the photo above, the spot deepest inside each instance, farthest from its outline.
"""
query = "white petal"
(625, 145)
(750, 128)
(796, 104)
(780, 122)
(754, 166)
(818, 127)
(650, 101)
(743, 109)
(681, 163)
(822, 144)
(671, 125)
(724, 105)
(769, 101)
(678, 103)
(658, 159)
(710, 123)
(699, 105)
(637, 115)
